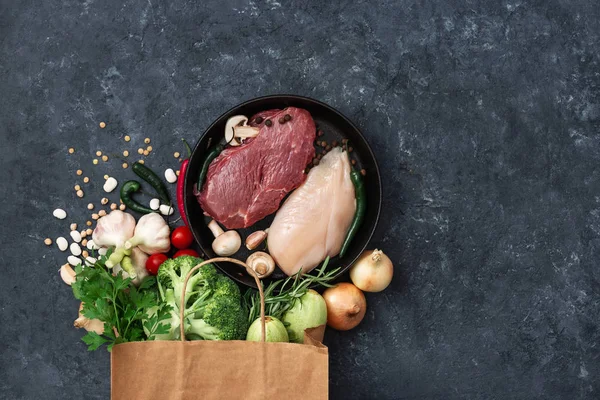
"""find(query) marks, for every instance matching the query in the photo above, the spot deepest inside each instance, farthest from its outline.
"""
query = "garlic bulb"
(114, 229)
(151, 235)
(133, 266)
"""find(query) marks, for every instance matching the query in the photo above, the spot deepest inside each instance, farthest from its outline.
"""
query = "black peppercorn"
(258, 120)
(287, 117)
(282, 120)
(268, 122)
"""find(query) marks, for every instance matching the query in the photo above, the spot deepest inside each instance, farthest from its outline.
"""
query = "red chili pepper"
(180, 193)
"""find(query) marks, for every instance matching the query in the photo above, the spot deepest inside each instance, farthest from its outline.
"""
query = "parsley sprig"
(121, 306)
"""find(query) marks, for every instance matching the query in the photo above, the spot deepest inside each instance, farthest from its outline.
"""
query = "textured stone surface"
(485, 118)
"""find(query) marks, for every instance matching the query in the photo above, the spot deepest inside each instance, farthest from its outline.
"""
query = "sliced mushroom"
(255, 239)
(262, 263)
(225, 243)
(236, 120)
(244, 132)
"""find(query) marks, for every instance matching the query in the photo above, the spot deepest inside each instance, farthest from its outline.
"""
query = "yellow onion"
(372, 272)
(346, 306)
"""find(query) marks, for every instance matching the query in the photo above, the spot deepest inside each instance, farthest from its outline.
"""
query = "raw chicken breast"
(312, 223)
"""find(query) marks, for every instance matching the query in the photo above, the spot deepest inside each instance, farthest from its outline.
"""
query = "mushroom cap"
(230, 124)
(227, 244)
(262, 263)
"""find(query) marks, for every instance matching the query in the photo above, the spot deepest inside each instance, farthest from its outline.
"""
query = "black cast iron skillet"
(335, 127)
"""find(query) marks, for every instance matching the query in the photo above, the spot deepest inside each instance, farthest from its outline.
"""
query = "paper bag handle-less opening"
(231, 260)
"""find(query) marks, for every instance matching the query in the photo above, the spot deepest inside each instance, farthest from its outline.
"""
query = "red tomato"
(154, 262)
(186, 252)
(182, 237)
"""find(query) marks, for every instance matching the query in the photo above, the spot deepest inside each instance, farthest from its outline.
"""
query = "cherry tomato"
(186, 252)
(154, 262)
(182, 237)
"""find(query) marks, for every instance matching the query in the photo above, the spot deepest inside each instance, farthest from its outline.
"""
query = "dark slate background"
(485, 118)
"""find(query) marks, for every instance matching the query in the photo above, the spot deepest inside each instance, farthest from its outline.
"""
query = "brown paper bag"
(171, 370)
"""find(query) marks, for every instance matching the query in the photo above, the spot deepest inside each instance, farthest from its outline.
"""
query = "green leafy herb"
(122, 307)
(281, 295)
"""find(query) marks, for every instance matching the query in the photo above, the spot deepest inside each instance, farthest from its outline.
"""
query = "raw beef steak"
(244, 184)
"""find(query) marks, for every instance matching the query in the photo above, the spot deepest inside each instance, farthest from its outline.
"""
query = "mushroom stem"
(215, 228)
(225, 243)
(245, 131)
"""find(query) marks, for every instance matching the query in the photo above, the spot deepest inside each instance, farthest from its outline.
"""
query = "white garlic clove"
(67, 274)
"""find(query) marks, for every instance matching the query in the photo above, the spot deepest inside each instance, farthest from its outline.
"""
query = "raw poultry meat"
(312, 223)
(245, 184)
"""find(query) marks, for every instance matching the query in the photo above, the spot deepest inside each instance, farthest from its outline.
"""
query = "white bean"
(170, 176)
(154, 204)
(90, 260)
(110, 184)
(62, 243)
(74, 260)
(91, 245)
(76, 236)
(166, 210)
(60, 213)
(75, 249)
(102, 251)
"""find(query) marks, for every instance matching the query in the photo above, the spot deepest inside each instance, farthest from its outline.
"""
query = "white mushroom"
(232, 122)
(243, 132)
(225, 243)
(261, 263)
(236, 130)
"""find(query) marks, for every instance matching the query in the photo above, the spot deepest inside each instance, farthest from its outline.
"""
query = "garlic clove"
(255, 239)
(67, 274)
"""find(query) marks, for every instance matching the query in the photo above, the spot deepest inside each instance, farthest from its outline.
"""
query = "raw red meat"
(244, 184)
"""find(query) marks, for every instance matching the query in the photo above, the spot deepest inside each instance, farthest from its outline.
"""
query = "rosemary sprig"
(288, 291)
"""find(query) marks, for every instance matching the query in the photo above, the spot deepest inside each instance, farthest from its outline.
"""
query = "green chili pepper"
(149, 176)
(127, 190)
(361, 205)
(212, 154)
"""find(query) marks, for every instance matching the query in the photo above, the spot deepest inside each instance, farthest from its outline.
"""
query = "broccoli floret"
(223, 319)
(213, 309)
(172, 274)
(228, 288)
